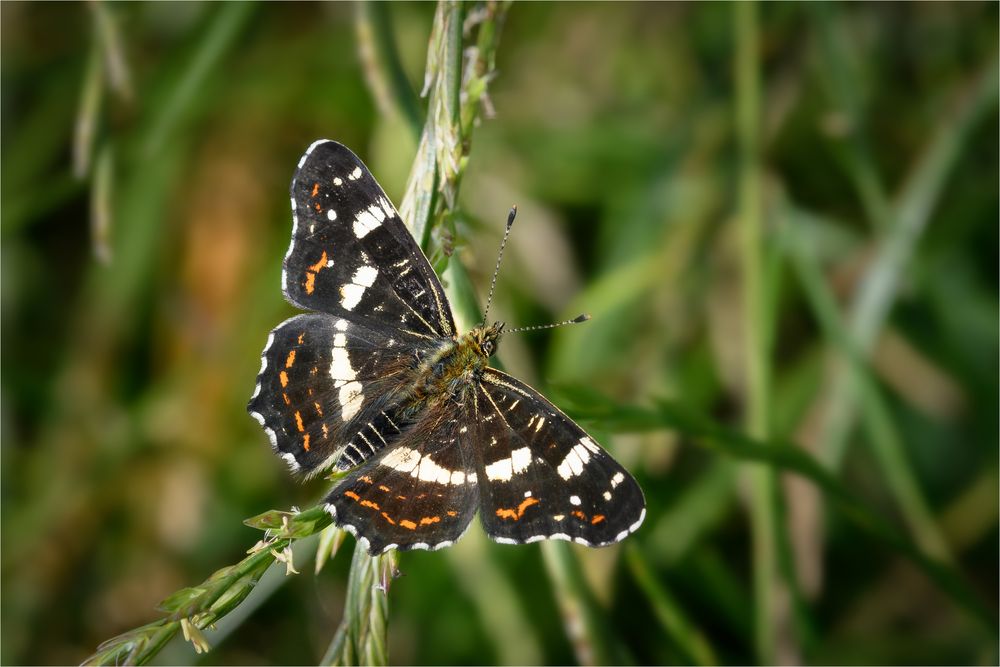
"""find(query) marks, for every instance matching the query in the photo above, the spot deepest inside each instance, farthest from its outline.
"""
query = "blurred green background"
(822, 275)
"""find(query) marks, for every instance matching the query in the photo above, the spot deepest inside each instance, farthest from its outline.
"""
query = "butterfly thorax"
(450, 369)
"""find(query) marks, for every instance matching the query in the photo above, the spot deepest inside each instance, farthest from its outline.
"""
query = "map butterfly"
(375, 380)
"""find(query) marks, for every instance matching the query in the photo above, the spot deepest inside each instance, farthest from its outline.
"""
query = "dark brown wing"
(542, 476)
(420, 493)
(351, 256)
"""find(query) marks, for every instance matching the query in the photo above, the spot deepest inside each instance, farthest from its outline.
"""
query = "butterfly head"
(487, 339)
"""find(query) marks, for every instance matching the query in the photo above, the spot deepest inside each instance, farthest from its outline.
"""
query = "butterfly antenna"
(503, 244)
(576, 320)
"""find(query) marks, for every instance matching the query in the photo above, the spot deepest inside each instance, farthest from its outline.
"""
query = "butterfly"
(375, 380)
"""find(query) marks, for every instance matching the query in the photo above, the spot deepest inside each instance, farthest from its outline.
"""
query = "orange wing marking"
(315, 189)
(311, 272)
(290, 360)
(283, 376)
(406, 523)
(516, 514)
(305, 441)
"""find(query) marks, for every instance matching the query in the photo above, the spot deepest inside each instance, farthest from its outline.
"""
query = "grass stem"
(762, 480)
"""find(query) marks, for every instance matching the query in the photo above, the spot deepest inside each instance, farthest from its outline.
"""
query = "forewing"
(542, 476)
(351, 255)
(419, 493)
(325, 388)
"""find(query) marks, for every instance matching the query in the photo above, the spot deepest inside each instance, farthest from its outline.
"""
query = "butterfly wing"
(351, 256)
(325, 389)
(542, 476)
(421, 493)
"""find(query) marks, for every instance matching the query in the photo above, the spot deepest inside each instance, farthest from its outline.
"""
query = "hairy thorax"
(450, 368)
(448, 371)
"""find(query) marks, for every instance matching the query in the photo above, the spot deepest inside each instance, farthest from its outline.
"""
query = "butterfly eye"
(488, 348)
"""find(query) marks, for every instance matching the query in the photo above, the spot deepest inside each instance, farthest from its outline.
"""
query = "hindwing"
(351, 256)
(542, 476)
(420, 493)
(325, 389)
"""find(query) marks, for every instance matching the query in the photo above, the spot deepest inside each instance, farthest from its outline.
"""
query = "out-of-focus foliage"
(145, 155)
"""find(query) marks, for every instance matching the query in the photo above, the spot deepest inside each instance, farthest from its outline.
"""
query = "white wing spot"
(573, 464)
(402, 460)
(520, 459)
(338, 181)
(351, 399)
(607, 495)
(504, 469)
(500, 471)
(350, 295)
(574, 500)
(365, 276)
(356, 174)
(390, 212)
(424, 468)
(617, 479)
(365, 223)
(340, 364)
(538, 426)
(331, 215)
(429, 471)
